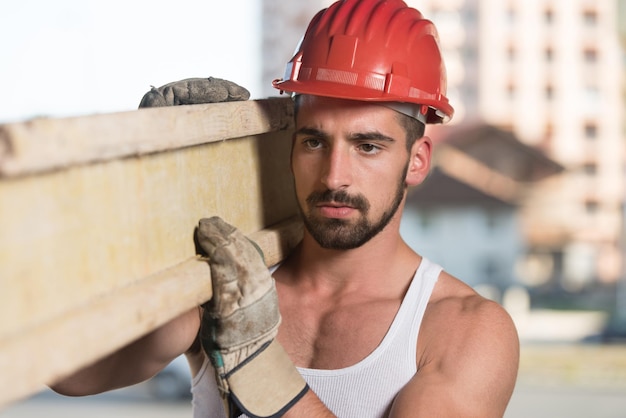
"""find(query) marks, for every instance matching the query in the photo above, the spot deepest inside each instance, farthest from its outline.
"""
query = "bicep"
(472, 374)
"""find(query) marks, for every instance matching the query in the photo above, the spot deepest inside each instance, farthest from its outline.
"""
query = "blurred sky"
(74, 57)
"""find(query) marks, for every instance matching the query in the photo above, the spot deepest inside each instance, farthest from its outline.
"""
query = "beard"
(341, 234)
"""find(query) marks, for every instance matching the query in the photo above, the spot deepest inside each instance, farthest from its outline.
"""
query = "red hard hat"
(371, 50)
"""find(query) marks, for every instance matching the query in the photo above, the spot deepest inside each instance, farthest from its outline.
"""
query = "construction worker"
(353, 323)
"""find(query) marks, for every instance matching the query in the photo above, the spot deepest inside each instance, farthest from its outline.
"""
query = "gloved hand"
(194, 91)
(240, 323)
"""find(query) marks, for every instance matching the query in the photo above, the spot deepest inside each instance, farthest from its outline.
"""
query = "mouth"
(335, 210)
(334, 204)
(337, 204)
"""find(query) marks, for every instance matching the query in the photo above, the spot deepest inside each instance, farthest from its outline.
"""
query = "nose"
(337, 173)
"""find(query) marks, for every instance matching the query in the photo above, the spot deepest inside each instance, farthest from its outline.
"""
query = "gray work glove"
(240, 323)
(194, 91)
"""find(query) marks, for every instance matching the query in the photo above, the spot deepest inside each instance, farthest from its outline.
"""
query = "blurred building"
(549, 72)
(466, 215)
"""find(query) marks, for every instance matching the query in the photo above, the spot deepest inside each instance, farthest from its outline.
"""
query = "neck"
(386, 255)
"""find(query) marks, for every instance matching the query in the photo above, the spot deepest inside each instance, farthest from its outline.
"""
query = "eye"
(368, 148)
(312, 143)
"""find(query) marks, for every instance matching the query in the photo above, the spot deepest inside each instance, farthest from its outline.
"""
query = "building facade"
(551, 72)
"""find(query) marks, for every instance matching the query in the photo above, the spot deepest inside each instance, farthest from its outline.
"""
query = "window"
(469, 16)
(470, 53)
(492, 269)
(548, 16)
(426, 219)
(590, 55)
(549, 92)
(590, 18)
(495, 221)
(590, 169)
(591, 206)
(510, 91)
(591, 130)
(511, 53)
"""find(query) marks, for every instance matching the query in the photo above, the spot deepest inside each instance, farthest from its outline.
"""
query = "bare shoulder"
(455, 305)
(472, 323)
(469, 345)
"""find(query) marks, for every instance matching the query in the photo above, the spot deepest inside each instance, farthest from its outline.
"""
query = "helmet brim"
(439, 110)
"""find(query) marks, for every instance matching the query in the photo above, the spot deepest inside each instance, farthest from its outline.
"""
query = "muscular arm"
(467, 367)
(136, 362)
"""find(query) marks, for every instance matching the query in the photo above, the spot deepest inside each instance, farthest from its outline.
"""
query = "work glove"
(239, 326)
(194, 91)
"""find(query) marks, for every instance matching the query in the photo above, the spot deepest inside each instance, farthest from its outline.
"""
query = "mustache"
(338, 196)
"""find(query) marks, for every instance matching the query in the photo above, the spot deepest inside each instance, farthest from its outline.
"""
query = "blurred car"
(173, 382)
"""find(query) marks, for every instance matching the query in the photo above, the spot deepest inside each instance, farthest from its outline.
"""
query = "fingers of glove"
(235, 91)
(153, 98)
(209, 90)
(238, 274)
(194, 91)
(213, 233)
(227, 247)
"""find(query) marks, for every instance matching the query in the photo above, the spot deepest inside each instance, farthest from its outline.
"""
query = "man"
(369, 327)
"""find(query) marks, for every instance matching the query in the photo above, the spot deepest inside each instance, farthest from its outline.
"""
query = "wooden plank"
(81, 241)
(47, 144)
(88, 332)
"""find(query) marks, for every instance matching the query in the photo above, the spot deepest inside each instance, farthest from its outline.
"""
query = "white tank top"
(365, 389)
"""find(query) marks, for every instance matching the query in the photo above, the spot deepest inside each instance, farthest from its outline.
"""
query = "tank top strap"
(411, 312)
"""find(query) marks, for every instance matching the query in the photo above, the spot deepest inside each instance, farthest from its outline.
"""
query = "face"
(351, 169)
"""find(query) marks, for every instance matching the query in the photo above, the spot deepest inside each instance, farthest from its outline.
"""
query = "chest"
(331, 335)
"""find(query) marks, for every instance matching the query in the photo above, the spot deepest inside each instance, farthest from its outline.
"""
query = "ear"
(419, 161)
